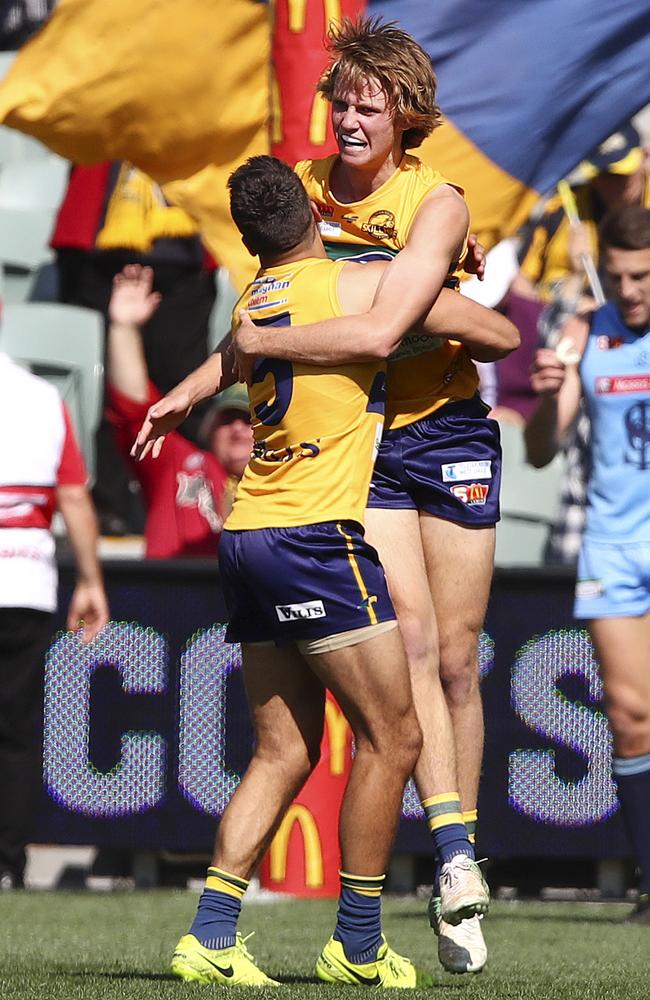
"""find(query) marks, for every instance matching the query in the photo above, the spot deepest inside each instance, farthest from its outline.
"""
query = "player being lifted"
(300, 506)
(434, 497)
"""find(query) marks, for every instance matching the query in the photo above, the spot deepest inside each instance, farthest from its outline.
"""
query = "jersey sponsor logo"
(262, 302)
(300, 612)
(325, 210)
(610, 385)
(381, 224)
(587, 590)
(308, 449)
(329, 229)
(416, 343)
(473, 494)
(456, 471)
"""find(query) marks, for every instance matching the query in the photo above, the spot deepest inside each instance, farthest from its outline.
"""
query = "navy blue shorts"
(294, 584)
(447, 464)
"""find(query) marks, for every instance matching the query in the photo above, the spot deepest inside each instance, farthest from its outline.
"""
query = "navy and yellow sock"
(470, 819)
(215, 923)
(445, 820)
(358, 919)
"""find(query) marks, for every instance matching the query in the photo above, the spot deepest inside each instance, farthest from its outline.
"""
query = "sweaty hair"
(626, 228)
(269, 205)
(370, 49)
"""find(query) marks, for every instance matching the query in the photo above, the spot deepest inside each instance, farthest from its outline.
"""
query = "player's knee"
(629, 720)
(420, 643)
(407, 744)
(297, 758)
(459, 673)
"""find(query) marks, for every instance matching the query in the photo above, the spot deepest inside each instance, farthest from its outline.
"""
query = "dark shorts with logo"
(447, 464)
(291, 584)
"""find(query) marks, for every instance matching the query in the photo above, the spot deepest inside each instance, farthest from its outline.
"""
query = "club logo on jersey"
(637, 426)
(459, 471)
(473, 494)
(605, 343)
(300, 612)
(381, 224)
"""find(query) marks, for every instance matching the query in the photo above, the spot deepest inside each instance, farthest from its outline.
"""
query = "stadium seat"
(30, 195)
(221, 315)
(528, 501)
(63, 344)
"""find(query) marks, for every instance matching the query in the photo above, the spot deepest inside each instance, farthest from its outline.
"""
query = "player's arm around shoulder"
(486, 334)
(555, 377)
(412, 281)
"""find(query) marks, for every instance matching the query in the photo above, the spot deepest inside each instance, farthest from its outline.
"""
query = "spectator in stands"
(612, 349)
(188, 491)
(112, 215)
(615, 175)
(41, 469)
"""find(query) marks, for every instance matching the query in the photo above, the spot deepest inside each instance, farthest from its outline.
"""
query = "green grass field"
(56, 946)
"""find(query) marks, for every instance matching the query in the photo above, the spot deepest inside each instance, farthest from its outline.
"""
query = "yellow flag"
(180, 88)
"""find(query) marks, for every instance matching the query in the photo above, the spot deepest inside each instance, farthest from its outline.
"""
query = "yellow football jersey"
(316, 430)
(425, 373)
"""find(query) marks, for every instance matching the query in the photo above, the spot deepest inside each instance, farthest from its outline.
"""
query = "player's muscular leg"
(459, 564)
(286, 703)
(371, 683)
(396, 536)
(623, 650)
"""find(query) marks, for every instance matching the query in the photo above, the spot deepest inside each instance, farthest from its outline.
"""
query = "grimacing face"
(628, 277)
(364, 126)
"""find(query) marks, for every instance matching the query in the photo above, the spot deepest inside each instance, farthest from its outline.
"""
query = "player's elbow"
(507, 339)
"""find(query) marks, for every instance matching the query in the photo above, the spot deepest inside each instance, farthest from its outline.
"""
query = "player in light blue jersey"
(606, 358)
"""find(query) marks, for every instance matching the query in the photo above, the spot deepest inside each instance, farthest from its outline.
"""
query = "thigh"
(285, 697)
(459, 562)
(622, 647)
(396, 536)
(370, 681)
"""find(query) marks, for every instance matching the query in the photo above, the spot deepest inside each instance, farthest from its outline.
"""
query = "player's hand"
(88, 611)
(547, 372)
(474, 262)
(133, 302)
(246, 347)
(164, 416)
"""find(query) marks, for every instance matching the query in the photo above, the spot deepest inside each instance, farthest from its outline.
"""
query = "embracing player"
(434, 497)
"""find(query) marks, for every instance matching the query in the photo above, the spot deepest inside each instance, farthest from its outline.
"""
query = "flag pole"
(570, 207)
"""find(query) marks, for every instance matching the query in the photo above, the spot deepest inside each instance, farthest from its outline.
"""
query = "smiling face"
(628, 274)
(365, 129)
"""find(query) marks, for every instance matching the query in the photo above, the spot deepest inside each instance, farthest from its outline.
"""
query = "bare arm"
(215, 374)
(404, 293)
(88, 604)
(558, 385)
(486, 334)
(132, 304)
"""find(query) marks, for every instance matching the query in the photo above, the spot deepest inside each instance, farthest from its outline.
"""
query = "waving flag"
(182, 90)
(528, 88)
(178, 87)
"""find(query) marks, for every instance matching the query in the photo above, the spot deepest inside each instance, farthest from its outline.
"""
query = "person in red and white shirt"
(188, 490)
(41, 469)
